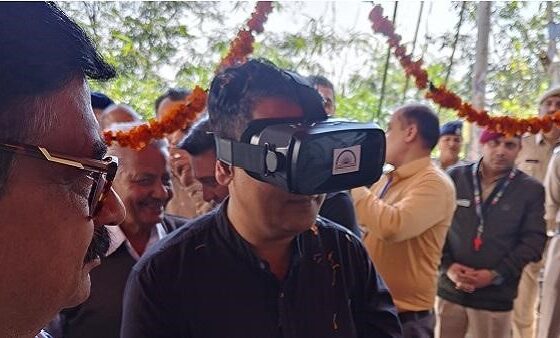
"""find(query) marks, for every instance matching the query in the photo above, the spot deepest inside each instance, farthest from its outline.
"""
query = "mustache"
(99, 244)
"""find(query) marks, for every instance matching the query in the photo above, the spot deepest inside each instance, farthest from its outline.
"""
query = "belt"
(414, 315)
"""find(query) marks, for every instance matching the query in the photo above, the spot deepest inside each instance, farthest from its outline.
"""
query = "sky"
(437, 18)
(345, 16)
(353, 15)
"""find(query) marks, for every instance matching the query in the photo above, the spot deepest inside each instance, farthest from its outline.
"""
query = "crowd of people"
(172, 241)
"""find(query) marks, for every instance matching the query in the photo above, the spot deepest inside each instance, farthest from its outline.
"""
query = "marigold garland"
(242, 45)
(445, 98)
(175, 119)
(180, 116)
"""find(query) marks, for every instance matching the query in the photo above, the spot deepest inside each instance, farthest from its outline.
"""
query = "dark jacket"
(100, 315)
(514, 235)
(205, 281)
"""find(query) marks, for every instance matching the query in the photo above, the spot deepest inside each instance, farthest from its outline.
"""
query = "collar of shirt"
(43, 334)
(409, 169)
(118, 238)
(243, 248)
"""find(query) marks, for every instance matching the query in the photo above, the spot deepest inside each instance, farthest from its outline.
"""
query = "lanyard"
(386, 186)
(477, 242)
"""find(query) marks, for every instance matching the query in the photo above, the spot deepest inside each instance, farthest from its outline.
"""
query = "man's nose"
(112, 211)
(500, 150)
(160, 191)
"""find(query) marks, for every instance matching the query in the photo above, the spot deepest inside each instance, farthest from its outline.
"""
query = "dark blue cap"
(451, 128)
(100, 100)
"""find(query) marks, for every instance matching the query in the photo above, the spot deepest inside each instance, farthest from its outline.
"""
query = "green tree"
(141, 38)
(145, 40)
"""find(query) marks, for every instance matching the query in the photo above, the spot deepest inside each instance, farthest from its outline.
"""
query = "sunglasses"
(101, 172)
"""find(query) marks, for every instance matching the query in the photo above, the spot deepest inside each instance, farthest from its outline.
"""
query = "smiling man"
(144, 184)
(263, 264)
(55, 195)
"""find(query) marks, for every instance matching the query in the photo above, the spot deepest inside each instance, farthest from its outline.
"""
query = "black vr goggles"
(308, 157)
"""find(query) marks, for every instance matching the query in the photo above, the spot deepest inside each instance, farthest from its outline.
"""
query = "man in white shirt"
(144, 184)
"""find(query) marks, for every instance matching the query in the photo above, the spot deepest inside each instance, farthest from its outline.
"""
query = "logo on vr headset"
(346, 160)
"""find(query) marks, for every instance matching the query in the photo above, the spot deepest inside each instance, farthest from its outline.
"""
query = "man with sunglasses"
(55, 180)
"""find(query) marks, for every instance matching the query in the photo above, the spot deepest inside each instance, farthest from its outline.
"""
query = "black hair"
(100, 100)
(320, 80)
(42, 52)
(426, 121)
(199, 139)
(174, 94)
(236, 90)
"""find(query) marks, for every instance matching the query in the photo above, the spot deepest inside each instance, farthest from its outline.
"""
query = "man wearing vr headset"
(263, 264)
(201, 146)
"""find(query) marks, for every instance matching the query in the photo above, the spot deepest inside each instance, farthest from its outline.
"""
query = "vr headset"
(305, 157)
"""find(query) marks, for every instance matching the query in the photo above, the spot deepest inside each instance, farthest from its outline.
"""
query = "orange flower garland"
(179, 117)
(175, 119)
(242, 45)
(446, 98)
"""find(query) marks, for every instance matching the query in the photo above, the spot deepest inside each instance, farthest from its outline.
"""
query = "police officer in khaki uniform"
(549, 321)
(549, 309)
(534, 160)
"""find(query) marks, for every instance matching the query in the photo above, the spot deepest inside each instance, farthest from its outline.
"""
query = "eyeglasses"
(102, 172)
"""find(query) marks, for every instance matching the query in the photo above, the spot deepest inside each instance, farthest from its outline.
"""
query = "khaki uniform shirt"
(552, 191)
(406, 229)
(534, 156)
(534, 160)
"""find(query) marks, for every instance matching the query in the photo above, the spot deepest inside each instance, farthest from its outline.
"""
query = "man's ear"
(223, 173)
(411, 133)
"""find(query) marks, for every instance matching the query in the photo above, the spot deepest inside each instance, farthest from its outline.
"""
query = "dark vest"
(100, 315)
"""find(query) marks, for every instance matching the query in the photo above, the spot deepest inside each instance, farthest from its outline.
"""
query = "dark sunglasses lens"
(97, 194)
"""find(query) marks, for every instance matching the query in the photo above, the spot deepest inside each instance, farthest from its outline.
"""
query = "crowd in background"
(416, 222)
(191, 246)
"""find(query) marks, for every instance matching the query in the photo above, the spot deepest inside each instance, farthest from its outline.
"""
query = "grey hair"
(29, 122)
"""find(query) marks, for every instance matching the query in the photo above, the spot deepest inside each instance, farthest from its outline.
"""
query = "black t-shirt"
(205, 281)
